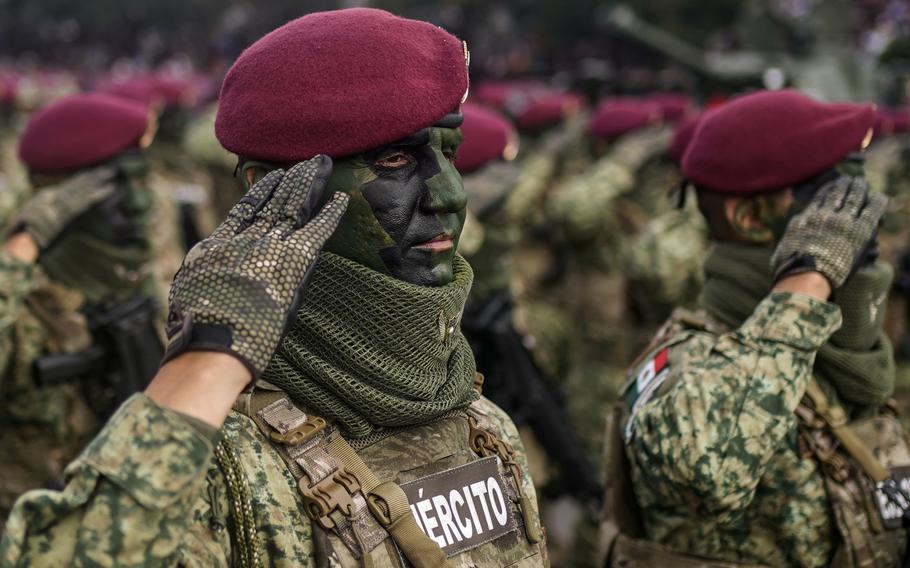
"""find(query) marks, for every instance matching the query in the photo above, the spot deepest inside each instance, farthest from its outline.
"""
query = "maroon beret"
(682, 135)
(149, 89)
(339, 83)
(546, 110)
(673, 106)
(771, 139)
(487, 137)
(9, 87)
(81, 130)
(614, 117)
(510, 96)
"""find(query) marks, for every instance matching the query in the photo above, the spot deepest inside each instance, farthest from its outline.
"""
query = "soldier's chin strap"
(681, 193)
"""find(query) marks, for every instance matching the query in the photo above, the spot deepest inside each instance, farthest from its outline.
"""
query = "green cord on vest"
(241, 506)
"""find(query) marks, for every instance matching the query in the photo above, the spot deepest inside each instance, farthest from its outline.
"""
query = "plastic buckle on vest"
(300, 434)
(332, 493)
(485, 444)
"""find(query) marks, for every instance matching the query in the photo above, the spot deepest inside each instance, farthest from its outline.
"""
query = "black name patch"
(463, 507)
(894, 499)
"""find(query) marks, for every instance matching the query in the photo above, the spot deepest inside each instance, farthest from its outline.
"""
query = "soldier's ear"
(151, 130)
(746, 216)
(252, 171)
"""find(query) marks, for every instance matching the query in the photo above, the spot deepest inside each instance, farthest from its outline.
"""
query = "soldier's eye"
(394, 160)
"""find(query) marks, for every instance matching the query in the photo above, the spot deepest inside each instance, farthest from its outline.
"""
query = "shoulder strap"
(390, 507)
(836, 419)
(331, 477)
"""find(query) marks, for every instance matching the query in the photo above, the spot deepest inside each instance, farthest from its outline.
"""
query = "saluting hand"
(52, 209)
(832, 233)
(237, 289)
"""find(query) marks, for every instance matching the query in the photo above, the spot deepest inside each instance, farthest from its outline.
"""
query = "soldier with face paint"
(75, 267)
(759, 432)
(314, 408)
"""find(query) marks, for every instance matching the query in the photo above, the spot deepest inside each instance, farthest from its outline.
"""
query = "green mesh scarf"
(98, 269)
(856, 365)
(372, 352)
(86, 261)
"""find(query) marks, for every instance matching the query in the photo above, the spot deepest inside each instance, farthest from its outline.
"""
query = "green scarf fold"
(856, 366)
(372, 352)
(99, 269)
(85, 260)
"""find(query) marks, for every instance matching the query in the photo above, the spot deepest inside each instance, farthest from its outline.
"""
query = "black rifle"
(515, 384)
(126, 350)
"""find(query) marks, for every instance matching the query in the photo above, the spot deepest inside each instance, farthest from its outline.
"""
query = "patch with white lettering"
(650, 377)
(463, 507)
(893, 497)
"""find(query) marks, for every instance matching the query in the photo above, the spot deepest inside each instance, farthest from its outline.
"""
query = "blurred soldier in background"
(513, 380)
(21, 93)
(663, 262)
(355, 398)
(179, 185)
(203, 148)
(13, 177)
(591, 217)
(760, 432)
(79, 317)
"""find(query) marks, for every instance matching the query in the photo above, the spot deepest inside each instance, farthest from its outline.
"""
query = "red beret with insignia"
(614, 117)
(769, 140)
(339, 83)
(80, 131)
(487, 137)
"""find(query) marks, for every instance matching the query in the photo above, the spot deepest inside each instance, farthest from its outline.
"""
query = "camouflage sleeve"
(129, 499)
(16, 280)
(583, 205)
(729, 404)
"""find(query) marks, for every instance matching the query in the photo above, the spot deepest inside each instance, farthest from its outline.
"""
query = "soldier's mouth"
(439, 243)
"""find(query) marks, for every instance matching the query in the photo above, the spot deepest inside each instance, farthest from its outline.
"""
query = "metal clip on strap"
(836, 419)
(390, 507)
(486, 444)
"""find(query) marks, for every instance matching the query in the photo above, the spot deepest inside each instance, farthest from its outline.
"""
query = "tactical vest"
(447, 493)
(865, 465)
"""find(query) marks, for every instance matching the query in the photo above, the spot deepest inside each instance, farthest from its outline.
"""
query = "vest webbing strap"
(836, 419)
(386, 500)
(390, 507)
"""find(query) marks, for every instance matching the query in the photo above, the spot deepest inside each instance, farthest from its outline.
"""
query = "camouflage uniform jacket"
(149, 492)
(713, 444)
(41, 428)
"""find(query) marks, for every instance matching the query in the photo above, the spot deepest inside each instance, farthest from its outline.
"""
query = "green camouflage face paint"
(407, 207)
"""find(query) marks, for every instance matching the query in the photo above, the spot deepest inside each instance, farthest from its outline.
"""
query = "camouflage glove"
(832, 233)
(47, 213)
(239, 288)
